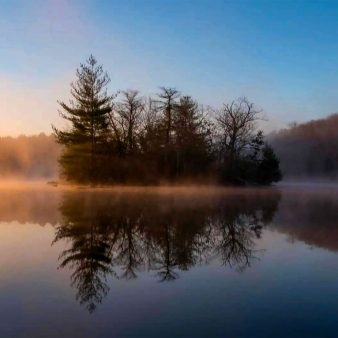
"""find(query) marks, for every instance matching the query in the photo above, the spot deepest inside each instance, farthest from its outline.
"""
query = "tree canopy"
(166, 139)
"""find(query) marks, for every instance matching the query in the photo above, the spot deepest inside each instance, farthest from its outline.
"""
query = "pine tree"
(88, 231)
(84, 141)
(268, 169)
(190, 137)
(167, 103)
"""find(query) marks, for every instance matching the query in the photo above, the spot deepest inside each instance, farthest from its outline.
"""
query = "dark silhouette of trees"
(84, 142)
(268, 168)
(129, 118)
(192, 138)
(237, 122)
(168, 97)
(170, 139)
(238, 141)
(167, 139)
(242, 154)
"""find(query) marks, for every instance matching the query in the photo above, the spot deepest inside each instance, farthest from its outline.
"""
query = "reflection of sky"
(289, 291)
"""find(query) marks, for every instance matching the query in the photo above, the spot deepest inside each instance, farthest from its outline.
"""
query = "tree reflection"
(128, 250)
(237, 224)
(88, 229)
(165, 261)
(165, 234)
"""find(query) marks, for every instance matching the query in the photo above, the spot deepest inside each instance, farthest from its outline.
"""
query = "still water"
(170, 262)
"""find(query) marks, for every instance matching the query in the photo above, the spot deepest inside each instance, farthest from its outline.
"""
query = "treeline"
(29, 157)
(125, 138)
(308, 149)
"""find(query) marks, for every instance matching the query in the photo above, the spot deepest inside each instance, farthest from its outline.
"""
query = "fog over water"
(244, 259)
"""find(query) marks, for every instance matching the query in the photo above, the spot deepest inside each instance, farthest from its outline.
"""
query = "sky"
(281, 54)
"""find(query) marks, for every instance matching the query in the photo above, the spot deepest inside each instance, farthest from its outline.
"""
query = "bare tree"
(150, 114)
(237, 123)
(149, 124)
(127, 118)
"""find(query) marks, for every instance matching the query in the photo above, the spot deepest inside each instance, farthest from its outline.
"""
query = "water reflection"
(34, 206)
(122, 234)
(310, 216)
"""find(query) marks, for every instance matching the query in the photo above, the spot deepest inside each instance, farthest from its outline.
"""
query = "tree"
(168, 102)
(237, 124)
(238, 222)
(141, 140)
(131, 232)
(150, 122)
(88, 230)
(85, 140)
(128, 116)
(191, 133)
(268, 169)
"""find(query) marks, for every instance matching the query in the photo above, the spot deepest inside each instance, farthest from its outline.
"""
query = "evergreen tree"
(268, 169)
(167, 103)
(86, 226)
(190, 137)
(85, 140)
(147, 141)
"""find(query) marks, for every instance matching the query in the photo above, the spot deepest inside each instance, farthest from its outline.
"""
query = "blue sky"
(281, 54)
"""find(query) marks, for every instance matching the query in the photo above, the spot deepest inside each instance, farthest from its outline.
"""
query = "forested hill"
(29, 157)
(308, 150)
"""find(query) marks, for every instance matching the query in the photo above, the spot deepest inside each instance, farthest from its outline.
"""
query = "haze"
(171, 165)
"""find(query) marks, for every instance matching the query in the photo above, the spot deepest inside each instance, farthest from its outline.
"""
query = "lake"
(169, 262)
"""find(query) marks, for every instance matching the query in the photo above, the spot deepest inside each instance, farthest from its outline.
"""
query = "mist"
(307, 151)
(29, 158)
